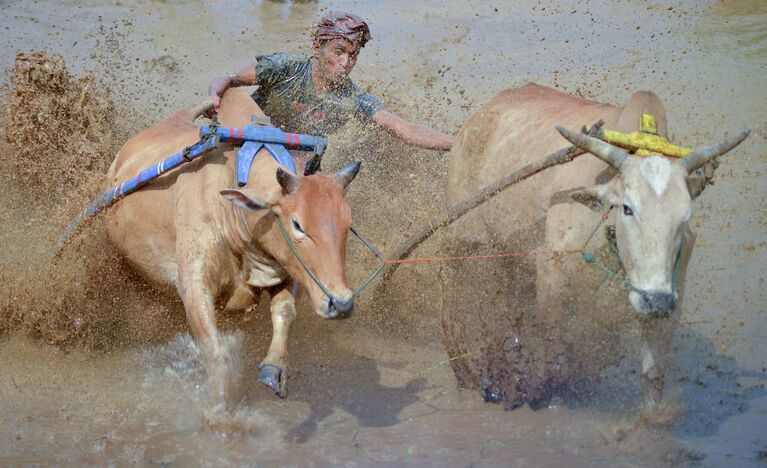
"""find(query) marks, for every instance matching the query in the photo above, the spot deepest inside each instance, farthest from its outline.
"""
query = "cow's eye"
(297, 226)
(627, 211)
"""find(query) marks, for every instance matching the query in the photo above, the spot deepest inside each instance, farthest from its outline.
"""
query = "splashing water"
(180, 367)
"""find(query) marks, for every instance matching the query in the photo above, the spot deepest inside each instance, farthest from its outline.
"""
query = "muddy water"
(376, 390)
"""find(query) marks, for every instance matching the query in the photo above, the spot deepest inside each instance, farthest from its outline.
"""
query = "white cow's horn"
(701, 156)
(606, 152)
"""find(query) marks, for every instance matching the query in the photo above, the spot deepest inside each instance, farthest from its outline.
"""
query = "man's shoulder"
(278, 67)
(282, 59)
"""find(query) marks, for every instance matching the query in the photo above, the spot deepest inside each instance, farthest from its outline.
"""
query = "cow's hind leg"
(272, 371)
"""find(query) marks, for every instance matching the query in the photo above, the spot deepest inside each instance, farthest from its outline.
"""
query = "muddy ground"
(97, 368)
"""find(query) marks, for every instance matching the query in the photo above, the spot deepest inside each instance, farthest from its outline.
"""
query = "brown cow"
(566, 329)
(180, 232)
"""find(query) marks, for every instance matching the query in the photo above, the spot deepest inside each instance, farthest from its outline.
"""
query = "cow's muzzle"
(340, 307)
(654, 304)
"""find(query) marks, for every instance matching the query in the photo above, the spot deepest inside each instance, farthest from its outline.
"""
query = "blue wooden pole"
(268, 135)
(131, 185)
(210, 135)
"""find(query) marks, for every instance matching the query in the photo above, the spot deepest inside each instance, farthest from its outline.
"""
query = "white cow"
(517, 349)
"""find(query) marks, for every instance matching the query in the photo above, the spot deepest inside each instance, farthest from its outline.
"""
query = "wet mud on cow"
(182, 235)
(532, 325)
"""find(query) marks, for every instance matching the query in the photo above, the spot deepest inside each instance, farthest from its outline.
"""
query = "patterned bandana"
(347, 26)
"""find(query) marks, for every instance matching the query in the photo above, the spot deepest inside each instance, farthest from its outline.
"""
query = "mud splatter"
(59, 128)
(60, 137)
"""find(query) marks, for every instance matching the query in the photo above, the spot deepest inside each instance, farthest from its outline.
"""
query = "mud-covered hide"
(491, 314)
(486, 308)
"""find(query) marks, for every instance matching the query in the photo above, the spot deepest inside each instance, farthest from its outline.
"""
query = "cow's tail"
(90, 211)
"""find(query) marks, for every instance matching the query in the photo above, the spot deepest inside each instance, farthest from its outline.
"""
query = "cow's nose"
(659, 304)
(343, 306)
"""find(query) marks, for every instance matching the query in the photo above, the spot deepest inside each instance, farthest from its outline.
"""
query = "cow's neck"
(244, 229)
(260, 267)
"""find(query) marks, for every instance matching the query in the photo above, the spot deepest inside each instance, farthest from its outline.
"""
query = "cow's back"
(145, 224)
(517, 127)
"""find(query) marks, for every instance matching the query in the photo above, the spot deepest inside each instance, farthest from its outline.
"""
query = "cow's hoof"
(273, 376)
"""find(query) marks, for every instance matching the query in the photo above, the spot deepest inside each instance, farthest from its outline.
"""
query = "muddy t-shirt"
(286, 94)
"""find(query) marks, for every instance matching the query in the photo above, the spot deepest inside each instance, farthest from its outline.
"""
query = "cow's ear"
(695, 184)
(244, 200)
(698, 179)
(597, 197)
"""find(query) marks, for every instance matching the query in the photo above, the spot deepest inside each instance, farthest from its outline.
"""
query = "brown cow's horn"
(606, 152)
(288, 181)
(348, 173)
(701, 156)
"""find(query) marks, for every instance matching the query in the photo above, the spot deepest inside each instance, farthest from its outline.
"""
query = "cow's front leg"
(555, 271)
(657, 334)
(199, 304)
(273, 369)
(656, 337)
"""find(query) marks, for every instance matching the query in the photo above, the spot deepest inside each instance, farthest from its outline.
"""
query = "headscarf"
(336, 24)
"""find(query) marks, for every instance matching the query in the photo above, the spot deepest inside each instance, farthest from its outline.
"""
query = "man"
(313, 94)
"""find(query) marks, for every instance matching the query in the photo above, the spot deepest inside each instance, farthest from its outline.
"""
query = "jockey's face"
(335, 59)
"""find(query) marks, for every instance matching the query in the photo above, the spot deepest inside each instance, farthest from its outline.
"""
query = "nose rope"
(241, 216)
(377, 252)
(677, 267)
(588, 257)
(591, 258)
(300, 259)
(527, 253)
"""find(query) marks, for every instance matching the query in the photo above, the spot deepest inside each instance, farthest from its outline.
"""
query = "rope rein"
(587, 256)
(482, 257)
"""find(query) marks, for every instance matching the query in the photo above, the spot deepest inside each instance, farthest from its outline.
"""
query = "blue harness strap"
(248, 152)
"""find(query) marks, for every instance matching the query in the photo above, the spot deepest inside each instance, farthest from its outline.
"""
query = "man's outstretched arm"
(246, 76)
(413, 133)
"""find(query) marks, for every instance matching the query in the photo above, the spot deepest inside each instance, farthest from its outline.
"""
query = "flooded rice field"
(98, 368)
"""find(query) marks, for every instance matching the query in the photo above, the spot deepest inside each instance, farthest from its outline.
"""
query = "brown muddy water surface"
(96, 368)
